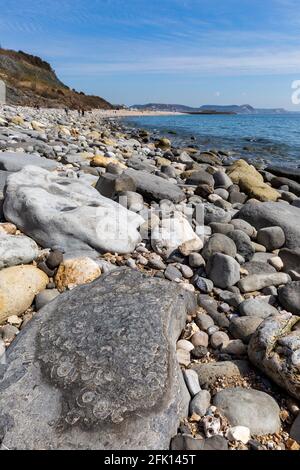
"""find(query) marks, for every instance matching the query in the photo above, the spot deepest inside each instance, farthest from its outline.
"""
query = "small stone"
(192, 381)
(173, 274)
(211, 426)
(239, 433)
(235, 347)
(219, 339)
(276, 262)
(186, 271)
(204, 321)
(199, 352)
(223, 270)
(156, 262)
(196, 260)
(200, 403)
(244, 327)
(212, 329)
(14, 320)
(75, 272)
(203, 284)
(54, 259)
(8, 332)
(257, 308)
(44, 297)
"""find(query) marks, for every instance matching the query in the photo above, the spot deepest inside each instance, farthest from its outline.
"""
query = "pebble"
(192, 381)
(200, 403)
(204, 321)
(173, 274)
(185, 345)
(183, 357)
(196, 260)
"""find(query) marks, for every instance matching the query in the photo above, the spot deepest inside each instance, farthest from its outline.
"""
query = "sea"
(272, 139)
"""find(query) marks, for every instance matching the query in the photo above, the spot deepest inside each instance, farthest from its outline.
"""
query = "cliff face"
(30, 81)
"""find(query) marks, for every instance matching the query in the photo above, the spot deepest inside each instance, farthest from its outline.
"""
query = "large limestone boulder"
(275, 349)
(251, 181)
(16, 250)
(270, 214)
(18, 287)
(60, 212)
(16, 161)
(97, 368)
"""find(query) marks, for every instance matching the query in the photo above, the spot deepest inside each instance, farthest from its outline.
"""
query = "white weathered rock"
(172, 233)
(58, 212)
(16, 250)
(239, 433)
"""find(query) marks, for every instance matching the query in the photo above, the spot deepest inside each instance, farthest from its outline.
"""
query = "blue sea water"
(263, 138)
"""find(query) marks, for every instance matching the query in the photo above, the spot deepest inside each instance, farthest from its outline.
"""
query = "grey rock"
(155, 188)
(295, 429)
(250, 408)
(172, 273)
(110, 185)
(270, 214)
(233, 299)
(204, 285)
(266, 351)
(209, 373)
(100, 366)
(259, 281)
(196, 260)
(219, 243)
(62, 212)
(290, 185)
(219, 340)
(215, 214)
(242, 225)
(289, 297)
(243, 244)
(204, 321)
(15, 250)
(222, 180)
(16, 161)
(200, 403)
(223, 270)
(211, 307)
(201, 177)
(271, 237)
(44, 297)
(139, 164)
(262, 257)
(54, 259)
(8, 332)
(3, 177)
(225, 229)
(222, 193)
(244, 327)
(192, 381)
(257, 267)
(290, 259)
(257, 308)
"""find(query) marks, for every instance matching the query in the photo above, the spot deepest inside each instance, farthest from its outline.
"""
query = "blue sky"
(177, 51)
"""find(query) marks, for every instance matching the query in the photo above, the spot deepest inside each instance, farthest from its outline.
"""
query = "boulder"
(260, 281)
(289, 297)
(251, 181)
(250, 408)
(16, 250)
(59, 212)
(96, 369)
(155, 188)
(219, 243)
(223, 270)
(270, 214)
(272, 348)
(257, 308)
(18, 287)
(16, 161)
(271, 237)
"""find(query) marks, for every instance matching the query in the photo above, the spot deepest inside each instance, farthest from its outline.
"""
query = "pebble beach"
(150, 293)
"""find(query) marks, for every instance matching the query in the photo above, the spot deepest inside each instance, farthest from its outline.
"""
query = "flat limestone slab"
(16, 161)
(97, 369)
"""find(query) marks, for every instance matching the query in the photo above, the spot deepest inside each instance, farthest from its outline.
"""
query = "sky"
(190, 52)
